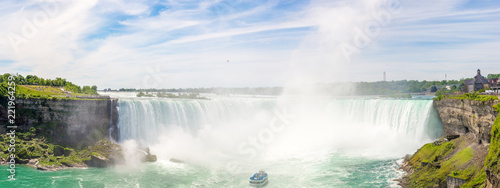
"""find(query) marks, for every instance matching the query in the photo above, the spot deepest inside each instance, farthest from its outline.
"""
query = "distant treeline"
(171, 95)
(35, 80)
(346, 88)
(217, 90)
(493, 76)
(403, 86)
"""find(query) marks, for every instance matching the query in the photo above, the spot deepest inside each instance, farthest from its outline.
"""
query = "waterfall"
(145, 119)
(338, 123)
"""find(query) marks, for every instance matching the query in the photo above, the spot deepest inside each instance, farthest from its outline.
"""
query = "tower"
(384, 77)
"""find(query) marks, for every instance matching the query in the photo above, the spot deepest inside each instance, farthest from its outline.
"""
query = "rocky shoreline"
(102, 154)
(58, 134)
(465, 161)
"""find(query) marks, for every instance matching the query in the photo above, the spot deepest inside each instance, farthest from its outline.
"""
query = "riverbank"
(471, 160)
(33, 149)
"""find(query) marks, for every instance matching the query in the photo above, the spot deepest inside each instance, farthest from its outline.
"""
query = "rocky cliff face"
(480, 119)
(460, 117)
(75, 123)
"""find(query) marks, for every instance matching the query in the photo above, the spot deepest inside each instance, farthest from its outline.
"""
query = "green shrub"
(493, 158)
(439, 97)
(58, 150)
(473, 96)
(67, 152)
(438, 165)
(23, 153)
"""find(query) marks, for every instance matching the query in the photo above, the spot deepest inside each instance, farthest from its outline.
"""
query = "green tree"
(20, 80)
(48, 82)
(89, 90)
(433, 89)
(5, 77)
(3, 88)
(58, 82)
(493, 76)
(140, 94)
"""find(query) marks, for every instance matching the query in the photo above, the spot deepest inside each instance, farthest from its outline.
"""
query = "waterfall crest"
(224, 123)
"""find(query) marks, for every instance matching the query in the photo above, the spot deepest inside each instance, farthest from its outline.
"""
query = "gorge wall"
(74, 123)
(464, 116)
(472, 158)
(478, 118)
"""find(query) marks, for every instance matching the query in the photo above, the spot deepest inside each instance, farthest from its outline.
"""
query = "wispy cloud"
(112, 42)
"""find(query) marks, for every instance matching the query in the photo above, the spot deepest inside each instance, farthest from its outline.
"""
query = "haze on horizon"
(176, 43)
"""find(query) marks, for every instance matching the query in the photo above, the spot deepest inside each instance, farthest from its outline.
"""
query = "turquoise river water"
(300, 142)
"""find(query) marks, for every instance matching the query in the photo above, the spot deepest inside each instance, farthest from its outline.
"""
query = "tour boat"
(259, 179)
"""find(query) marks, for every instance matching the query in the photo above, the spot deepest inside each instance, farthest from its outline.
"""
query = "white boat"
(259, 179)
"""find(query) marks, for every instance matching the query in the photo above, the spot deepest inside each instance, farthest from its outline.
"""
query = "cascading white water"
(226, 125)
(146, 119)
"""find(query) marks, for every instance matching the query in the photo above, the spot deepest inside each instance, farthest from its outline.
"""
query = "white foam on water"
(214, 133)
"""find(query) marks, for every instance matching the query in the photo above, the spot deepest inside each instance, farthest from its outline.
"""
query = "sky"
(247, 43)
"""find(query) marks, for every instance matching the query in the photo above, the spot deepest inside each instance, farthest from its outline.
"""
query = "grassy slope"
(454, 159)
(468, 96)
(45, 92)
(493, 158)
(433, 164)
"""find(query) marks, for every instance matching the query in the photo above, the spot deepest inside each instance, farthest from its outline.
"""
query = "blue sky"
(187, 43)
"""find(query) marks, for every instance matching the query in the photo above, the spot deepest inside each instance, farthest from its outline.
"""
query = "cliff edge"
(463, 116)
(58, 133)
(468, 153)
(71, 123)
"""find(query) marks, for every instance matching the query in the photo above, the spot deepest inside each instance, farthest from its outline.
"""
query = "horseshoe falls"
(314, 142)
(299, 142)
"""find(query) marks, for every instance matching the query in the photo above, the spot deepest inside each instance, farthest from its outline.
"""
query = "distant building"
(447, 87)
(494, 85)
(478, 83)
(493, 82)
